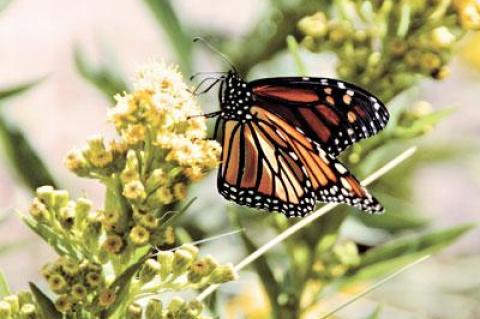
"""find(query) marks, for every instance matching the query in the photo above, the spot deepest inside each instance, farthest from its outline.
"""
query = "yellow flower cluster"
(162, 111)
(20, 305)
(386, 52)
(162, 145)
(162, 148)
(468, 13)
(76, 283)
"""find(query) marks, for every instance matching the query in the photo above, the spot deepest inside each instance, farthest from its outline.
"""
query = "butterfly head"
(235, 97)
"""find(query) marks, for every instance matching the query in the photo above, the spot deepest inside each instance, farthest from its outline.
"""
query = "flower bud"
(79, 292)
(134, 134)
(149, 221)
(5, 310)
(165, 258)
(181, 261)
(113, 244)
(337, 270)
(63, 304)
(134, 311)
(169, 236)
(314, 25)
(75, 162)
(94, 279)
(91, 232)
(82, 208)
(338, 31)
(176, 304)
(162, 196)
(129, 174)
(442, 37)
(441, 73)
(194, 173)
(154, 309)
(45, 194)
(106, 298)
(57, 283)
(109, 218)
(195, 307)
(28, 311)
(156, 179)
(204, 267)
(14, 302)
(60, 199)
(66, 217)
(134, 191)
(38, 209)
(180, 191)
(193, 250)
(149, 270)
(69, 266)
(132, 160)
(430, 61)
(118, 149)
(139, 235)
(222, 274)
(347, 253)
(25, 297)
(97, 154)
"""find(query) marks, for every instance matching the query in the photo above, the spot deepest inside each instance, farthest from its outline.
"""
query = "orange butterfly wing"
(268, 164)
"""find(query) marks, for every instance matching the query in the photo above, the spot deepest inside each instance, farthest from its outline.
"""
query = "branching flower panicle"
(385, 46)
(161, 149)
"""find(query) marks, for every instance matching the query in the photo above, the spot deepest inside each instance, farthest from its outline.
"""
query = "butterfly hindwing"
(256, 173)
(333, 113)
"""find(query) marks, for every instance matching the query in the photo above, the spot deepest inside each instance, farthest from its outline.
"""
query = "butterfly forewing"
(332, 113)
(258, 173)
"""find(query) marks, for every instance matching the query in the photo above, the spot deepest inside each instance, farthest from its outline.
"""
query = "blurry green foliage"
(4, 288)
(104, 77)
(179, 38)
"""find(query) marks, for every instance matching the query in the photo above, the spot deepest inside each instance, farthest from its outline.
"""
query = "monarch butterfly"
(281, 136)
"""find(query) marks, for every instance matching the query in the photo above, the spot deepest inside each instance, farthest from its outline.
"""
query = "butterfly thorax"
(235, 98)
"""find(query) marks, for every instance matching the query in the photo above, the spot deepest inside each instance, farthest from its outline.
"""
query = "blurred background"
(60, 45)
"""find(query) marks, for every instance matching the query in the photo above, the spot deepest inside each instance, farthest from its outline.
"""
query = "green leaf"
(27, 163)
(397, 253)
(45, 305)
(62, 247)
(9, 92)
(400, 215)
(4, 288)
(104, 77)
(423, 244)
(121, 285)
(176, 215)
(179, 39)
(394, 221)
(376, 285)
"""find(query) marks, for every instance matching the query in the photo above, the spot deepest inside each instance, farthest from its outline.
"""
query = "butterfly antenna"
(216, 51)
